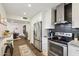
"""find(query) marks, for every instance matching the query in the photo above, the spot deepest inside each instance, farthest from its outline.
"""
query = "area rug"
(25, 50)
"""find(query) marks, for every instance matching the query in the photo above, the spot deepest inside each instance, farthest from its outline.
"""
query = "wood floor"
(21, 42)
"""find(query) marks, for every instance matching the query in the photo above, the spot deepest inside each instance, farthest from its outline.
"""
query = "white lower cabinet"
(73, 50)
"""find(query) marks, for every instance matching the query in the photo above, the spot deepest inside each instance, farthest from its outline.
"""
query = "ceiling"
(16, 21)
(18, 9)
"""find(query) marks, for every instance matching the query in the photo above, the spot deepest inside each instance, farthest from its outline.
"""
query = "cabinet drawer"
(73, 50)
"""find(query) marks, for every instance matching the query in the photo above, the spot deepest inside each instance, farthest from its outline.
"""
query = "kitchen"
(53, 31)
(65, 31)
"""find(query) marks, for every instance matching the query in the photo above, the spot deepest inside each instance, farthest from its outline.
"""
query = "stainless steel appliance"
(58, 44)
(57, 49)
(38, 35)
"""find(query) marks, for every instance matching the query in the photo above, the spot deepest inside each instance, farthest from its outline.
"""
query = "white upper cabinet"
(75, 15)
(48, 19)
(60, 13)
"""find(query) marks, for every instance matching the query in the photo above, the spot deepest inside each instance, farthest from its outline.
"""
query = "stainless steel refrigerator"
(38, 35)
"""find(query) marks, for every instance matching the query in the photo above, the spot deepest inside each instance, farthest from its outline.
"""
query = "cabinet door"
(73, 50)
(48, 19)
(75, 15)
(60, 13)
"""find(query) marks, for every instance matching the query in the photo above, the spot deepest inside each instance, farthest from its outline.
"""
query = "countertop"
(75, 43)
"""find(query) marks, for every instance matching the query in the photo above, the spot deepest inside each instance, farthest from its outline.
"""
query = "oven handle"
(59, 44)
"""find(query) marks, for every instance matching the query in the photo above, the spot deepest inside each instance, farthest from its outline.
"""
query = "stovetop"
(63, 40)
(61, 37)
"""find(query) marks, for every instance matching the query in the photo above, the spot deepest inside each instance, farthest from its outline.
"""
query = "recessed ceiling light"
(24, 13)
(29, 5)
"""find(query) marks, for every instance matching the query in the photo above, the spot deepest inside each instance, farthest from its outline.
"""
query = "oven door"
(57, 49)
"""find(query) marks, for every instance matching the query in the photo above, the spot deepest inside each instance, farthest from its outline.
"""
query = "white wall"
(3, 15)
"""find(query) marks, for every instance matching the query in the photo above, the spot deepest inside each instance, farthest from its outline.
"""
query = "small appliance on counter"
(50, 34)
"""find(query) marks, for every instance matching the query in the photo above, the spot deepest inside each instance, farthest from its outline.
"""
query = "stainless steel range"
(58, 44)
(57, 49)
